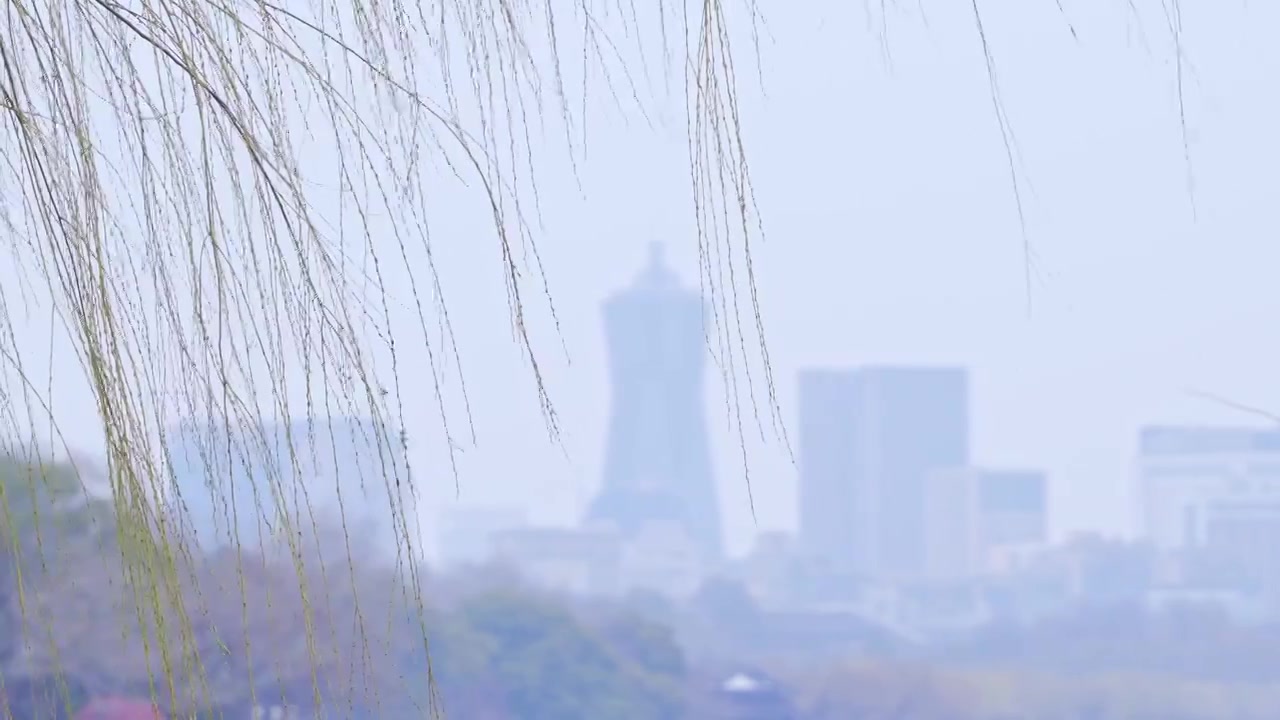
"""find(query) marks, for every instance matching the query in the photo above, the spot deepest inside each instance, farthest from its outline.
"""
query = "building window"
(1190, 536)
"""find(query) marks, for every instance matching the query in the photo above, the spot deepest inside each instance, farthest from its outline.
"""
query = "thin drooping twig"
(1174, 13)
(1234, 405)
(162, 199)
(1006, 136)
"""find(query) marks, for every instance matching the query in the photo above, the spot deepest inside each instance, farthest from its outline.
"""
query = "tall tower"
(657, 466)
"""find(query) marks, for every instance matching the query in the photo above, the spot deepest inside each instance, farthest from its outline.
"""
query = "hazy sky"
(893, 237)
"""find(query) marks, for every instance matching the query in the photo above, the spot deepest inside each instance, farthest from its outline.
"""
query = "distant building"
(975, 517)
(338, 475)
(772, 570)
(869, 438)
(1239, 606)
(597, 560)
(829, 489)
(573, 561)
(1212, 495)
(1006, 559)
(1204, 484)
(752, 696)
(467, 533)
(664, 559)
(657, 466)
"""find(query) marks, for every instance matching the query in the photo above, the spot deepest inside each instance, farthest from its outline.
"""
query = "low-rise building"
(574, 561)
(975, 517)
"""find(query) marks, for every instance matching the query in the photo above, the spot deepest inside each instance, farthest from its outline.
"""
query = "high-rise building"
(973, 513)
(657, 466)
(869, 440)
(337, 475)
(830, 504)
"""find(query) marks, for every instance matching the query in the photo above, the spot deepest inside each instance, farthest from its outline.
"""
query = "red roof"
(112, 708)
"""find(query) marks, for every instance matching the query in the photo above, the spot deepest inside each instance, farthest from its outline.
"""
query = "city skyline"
(871, 441)
(902, 246)
(830, 361)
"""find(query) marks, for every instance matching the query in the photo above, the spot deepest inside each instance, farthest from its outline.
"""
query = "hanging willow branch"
(214, 204)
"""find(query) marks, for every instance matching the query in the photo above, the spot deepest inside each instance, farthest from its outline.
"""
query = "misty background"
(893, 237)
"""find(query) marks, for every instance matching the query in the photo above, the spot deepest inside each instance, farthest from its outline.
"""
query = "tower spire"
(657, 256)
(658, 274)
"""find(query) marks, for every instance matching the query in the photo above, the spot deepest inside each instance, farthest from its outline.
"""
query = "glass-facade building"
(248, 486)
(869, 439)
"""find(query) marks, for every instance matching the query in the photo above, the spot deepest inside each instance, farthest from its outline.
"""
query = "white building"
(466, 534)
(769, 571)
(1210, 488)
(573, 561)
(600, 560)
(664, 558)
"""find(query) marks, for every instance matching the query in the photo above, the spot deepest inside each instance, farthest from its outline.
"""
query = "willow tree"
(166, 219)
